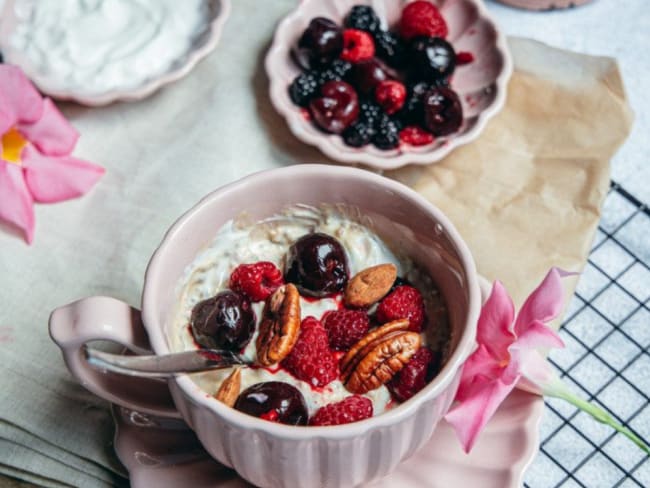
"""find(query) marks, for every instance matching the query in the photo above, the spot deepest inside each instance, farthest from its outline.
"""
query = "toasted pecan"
(230, 387)
(385, 357)
(280, 325)
(370, 285)
(350, 360)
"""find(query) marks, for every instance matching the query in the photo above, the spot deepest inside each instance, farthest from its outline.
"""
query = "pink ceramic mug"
(267, 453)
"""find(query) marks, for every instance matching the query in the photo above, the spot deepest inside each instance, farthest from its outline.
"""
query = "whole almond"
(370, 285)
(229, 389)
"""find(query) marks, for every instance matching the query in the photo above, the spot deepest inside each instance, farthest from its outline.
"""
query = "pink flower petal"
(470, 416)
(19, 100)
(539, 336)
(535, 370)
(481, 364)
(543, 304)
(16, 205)
(53, 179)
(52, 134)
(495, 322)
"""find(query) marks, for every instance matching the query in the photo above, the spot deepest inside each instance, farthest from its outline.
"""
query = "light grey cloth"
(161, 155)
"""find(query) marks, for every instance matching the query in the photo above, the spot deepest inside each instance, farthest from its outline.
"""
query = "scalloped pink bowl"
(480, 84)
(204, 44)
(265, 453)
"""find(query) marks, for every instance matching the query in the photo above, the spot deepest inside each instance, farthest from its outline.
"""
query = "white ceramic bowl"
(480, 84)
(218, 11)
(266, 453)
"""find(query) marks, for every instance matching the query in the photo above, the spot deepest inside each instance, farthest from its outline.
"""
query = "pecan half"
(229, 389)
(280, 325)
(381, 360)
(370, 285)
(352, 357)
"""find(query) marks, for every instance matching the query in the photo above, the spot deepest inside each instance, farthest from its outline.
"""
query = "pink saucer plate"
(165, 453)
(480, 84)
(218, 11)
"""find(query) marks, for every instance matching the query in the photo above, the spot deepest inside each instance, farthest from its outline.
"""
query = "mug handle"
(109, 319)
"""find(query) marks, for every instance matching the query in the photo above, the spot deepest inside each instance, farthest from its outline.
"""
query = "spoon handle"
(165, 365)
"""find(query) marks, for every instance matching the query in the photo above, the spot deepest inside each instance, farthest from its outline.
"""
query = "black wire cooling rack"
(606, 360)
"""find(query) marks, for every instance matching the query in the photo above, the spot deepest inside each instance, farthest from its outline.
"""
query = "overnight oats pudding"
(336, 325)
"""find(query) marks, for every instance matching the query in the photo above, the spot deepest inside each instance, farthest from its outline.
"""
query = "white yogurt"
(95, 46)
(237, 243)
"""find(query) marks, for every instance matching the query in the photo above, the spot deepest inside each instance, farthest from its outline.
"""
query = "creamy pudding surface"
(95, 46)
(240, 241)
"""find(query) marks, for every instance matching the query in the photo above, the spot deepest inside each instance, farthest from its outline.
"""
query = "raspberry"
(311, 360)
(257, 281)
(464, 57)
(357, 46)
(415, 136)
(422, 18)
(415, 375)
(345, 328)
(350, 409)
(405, 302)
(390, 95)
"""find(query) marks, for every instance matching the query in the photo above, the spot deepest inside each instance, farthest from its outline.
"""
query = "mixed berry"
(316, 265)
(376, 86)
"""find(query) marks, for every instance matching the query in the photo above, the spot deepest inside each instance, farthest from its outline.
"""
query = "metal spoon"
(164, 365)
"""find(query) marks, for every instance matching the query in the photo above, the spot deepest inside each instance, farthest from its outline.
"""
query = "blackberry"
(358, 135)
(362, 17)
(303, 88)
(340, 67)
(387, 135)
(327, 75)
(390, 48)
(370, 112)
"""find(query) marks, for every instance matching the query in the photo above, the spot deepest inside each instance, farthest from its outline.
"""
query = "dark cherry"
(317, 265)
(366, 75)
(321, 43)
(430, 59)
(443, 113)
(275, 401)
(337, 108)
(412, 112)
(225, 321)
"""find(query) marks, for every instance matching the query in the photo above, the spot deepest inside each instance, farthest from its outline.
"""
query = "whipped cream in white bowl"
(99, 51)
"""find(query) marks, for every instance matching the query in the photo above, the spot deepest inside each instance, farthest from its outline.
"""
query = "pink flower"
(511, 353)
(35, 146)
(508, 350)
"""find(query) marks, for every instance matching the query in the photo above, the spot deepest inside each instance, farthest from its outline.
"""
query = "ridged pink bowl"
(266, 453)
(480, 84)
(218, 11)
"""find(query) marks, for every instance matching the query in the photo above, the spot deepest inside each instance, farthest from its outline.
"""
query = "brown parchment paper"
(527, 194)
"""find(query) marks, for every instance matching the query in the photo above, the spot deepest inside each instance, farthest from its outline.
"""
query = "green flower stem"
(558, 389)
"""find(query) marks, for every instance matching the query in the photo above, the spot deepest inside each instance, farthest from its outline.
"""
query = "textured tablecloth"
(161, 156)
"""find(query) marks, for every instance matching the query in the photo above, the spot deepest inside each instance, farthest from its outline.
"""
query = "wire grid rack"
(606, 360)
